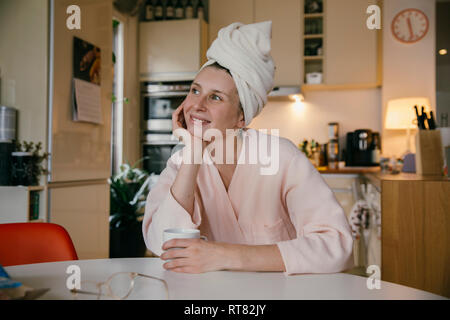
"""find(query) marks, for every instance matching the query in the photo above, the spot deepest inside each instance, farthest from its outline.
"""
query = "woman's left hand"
(196, 255)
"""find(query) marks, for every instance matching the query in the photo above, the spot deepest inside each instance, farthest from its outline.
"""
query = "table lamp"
(401, 115)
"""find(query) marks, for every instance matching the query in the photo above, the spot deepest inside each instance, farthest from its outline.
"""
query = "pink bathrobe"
(293, 209)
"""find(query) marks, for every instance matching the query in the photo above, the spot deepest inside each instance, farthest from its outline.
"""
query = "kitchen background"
(361, 70)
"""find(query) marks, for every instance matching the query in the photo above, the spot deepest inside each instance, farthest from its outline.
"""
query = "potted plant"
(27, 163)
(129, 189)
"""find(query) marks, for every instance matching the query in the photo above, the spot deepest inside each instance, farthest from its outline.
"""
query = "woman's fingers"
(178, 118)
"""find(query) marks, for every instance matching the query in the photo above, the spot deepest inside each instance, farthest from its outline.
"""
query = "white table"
(223, 285)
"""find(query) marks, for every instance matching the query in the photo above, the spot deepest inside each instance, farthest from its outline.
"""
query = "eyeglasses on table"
(118, 286)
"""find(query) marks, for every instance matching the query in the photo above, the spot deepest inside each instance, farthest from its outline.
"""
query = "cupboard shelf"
(23, 204)
(313, 15)
(325, 87)
(313, 36)
(312, 57)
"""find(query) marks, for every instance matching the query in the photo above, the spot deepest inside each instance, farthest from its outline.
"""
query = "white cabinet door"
(350, 51)
(286, 37)
(171, 50)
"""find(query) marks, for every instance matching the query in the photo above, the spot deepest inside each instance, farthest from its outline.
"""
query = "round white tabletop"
(223, 285)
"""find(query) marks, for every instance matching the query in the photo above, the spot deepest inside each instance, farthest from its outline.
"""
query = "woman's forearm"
(254, 258)
(184, 186)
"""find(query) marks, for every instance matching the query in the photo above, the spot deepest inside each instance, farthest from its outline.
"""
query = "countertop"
(346, 170)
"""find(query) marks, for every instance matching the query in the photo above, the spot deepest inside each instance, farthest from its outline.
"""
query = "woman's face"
(213, 102)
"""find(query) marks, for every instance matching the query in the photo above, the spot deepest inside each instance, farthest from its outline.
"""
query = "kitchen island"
(415, 225)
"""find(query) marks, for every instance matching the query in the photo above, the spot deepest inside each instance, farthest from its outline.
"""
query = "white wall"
(352, 109)
(409, 70)
(23, 65)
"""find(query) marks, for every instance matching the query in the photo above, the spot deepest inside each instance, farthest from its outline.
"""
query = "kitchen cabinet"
(415, 232)
(222, 13)
(23, 204)
(286, 30)
(350, 48)
(172, 50)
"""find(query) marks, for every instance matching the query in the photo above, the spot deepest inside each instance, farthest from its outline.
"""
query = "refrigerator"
(80, 162)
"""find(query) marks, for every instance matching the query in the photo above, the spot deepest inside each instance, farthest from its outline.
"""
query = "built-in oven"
(158, 101)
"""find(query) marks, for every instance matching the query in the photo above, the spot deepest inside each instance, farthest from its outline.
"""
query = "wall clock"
(410, 25)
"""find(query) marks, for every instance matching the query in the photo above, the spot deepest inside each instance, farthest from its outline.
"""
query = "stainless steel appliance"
(8, 135)
(159, 100)
(333, 145)
(8, 121)
(360, 146)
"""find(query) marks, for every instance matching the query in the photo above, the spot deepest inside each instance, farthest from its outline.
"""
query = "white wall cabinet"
(172, 50)
(286, 30)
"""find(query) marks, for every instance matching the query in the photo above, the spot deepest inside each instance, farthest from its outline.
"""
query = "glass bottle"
(200, 10)
(159, 10)
(189, 10)
(179, 10)
(149, 14)
(170, 10)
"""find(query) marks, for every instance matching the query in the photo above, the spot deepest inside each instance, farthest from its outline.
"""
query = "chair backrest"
(34, 242)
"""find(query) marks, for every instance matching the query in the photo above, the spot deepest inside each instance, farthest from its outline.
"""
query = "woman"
(285, 221)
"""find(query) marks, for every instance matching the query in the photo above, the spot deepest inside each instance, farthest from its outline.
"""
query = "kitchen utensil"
(431, 122)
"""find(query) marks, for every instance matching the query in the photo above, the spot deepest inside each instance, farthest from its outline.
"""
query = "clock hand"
(411, 34)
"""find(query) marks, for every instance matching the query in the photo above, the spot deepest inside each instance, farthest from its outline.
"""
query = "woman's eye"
(215, 97)
(194, 91)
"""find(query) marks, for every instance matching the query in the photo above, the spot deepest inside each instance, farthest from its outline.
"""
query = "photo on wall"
(86, 82)
(86, 61)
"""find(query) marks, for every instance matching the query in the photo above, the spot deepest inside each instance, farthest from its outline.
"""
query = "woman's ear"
(241, 122)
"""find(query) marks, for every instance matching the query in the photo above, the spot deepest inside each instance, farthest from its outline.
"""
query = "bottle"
(158, 10)
(200, 10)
(170, 10)
(179, 10)
(149, 14)
(189, 10)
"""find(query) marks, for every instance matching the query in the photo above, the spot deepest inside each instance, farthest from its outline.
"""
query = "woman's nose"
(200, 104)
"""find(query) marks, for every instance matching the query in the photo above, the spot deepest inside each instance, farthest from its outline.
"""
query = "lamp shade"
(400, 113)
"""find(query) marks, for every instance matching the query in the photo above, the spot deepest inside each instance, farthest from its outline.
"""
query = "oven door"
(158, 109)
(156, 154)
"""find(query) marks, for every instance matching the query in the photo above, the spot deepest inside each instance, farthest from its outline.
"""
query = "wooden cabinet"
(222, 13)
(416, 231)
(172, 50)
(286, 30)
(350, 55)
(23, 204)
(286, 37)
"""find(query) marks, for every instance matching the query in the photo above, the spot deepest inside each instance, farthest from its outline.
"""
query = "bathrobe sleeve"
(162, 211)
(324, 242)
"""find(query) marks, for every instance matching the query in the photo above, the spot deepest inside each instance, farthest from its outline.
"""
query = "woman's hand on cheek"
(195, 256)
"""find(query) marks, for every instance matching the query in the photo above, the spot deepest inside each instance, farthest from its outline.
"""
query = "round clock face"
(410, 25)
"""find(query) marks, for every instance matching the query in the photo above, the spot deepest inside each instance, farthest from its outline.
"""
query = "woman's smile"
(198, 120)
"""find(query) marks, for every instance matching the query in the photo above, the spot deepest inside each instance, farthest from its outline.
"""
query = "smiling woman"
(283, 220)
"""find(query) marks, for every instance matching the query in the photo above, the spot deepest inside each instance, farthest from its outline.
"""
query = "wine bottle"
(170, 10)
(189, 10)
(179, 10)
(158, 10)
(200, 10)
(149, 14)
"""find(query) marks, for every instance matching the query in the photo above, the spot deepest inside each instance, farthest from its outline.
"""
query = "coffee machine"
(362, 146)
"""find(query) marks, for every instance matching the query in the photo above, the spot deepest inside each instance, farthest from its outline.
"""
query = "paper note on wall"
(87, 101)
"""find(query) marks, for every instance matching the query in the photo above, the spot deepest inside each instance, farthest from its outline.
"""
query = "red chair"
(35, 242)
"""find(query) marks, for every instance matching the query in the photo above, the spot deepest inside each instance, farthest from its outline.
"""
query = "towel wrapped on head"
(245, 51)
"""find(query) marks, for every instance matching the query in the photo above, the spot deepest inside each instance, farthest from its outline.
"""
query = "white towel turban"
(245, 51)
